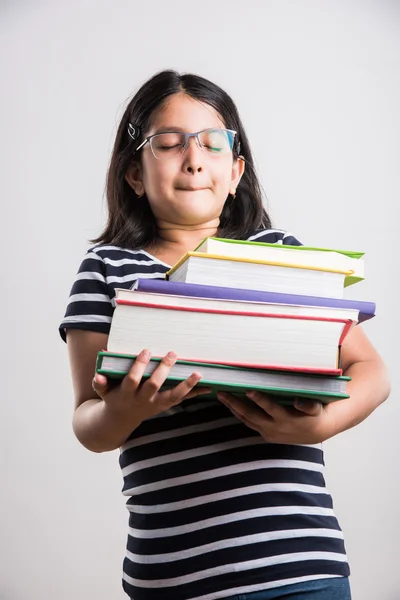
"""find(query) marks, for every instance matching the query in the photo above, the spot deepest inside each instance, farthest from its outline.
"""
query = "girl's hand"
(145, 399)
(306, 423)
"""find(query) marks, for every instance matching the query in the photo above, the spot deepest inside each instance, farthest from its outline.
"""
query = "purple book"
(161, 286)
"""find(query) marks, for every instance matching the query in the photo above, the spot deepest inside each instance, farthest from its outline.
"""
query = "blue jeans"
(335, 588)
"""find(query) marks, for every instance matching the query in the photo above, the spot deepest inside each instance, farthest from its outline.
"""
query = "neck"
(185, 236)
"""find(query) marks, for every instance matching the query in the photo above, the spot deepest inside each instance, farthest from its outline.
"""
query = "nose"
(194, 157)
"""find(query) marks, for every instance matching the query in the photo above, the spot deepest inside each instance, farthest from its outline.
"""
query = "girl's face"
(191, 188)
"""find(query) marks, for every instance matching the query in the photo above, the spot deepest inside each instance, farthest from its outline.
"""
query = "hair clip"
(133, 131)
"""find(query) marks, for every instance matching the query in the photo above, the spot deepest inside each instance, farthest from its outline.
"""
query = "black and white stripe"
(213, 509)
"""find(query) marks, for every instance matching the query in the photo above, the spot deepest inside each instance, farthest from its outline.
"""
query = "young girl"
(226, 499)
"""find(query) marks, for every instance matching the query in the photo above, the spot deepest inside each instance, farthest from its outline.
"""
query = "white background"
(317, 84)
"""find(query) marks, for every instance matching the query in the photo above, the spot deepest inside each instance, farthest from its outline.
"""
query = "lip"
(191, 189)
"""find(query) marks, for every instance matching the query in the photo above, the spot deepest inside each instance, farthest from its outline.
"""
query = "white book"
(278, 308)
(237, 380)
(344, 260)
(230, 336)
(258, 275)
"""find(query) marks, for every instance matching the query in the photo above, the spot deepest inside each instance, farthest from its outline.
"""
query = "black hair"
(131, 223)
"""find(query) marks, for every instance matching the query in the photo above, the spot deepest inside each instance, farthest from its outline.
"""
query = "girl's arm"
(369, 385)
(95, 424)
(105, 417)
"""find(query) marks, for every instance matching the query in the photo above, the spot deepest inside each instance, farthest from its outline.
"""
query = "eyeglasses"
(170, 144)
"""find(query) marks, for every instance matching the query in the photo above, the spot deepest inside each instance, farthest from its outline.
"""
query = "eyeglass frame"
(187, 138)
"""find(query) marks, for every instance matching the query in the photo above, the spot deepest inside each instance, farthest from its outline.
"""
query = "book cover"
(349, 253)
(174, 288)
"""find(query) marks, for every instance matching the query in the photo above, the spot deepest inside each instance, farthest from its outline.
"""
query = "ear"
(134, 178)
(238, 167)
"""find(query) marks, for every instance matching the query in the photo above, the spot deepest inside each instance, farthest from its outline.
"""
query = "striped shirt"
(214, 510)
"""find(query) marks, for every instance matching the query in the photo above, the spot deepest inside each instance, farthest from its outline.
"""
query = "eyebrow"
(174, 129)
(170, 128)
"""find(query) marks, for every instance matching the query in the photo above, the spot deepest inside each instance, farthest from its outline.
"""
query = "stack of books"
(246, 315)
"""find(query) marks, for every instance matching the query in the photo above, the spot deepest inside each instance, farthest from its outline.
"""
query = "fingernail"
(171, 355)
(145, 354)
(250, 394)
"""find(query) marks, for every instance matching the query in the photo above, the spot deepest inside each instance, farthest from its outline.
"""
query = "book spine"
(345, 331)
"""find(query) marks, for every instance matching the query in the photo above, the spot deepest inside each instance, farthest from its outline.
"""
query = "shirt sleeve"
(289, 240)
(89, 306)
(274, 236)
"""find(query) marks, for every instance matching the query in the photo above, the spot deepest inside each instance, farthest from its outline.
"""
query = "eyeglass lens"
(214, 141)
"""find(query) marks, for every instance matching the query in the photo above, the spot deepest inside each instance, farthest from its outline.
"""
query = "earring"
(232, 192)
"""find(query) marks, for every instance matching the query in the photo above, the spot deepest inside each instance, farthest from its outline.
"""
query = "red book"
(225, 332)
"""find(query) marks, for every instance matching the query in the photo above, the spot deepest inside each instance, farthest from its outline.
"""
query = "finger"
(183, 389)
(249, 411)
(170, 385)
(269, 406)
(153, 384)
(310, 407)
(197, 391)
(100, 385)
(133, 378)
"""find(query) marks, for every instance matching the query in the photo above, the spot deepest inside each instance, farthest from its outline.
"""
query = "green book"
(298, 256)
(283, 385)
